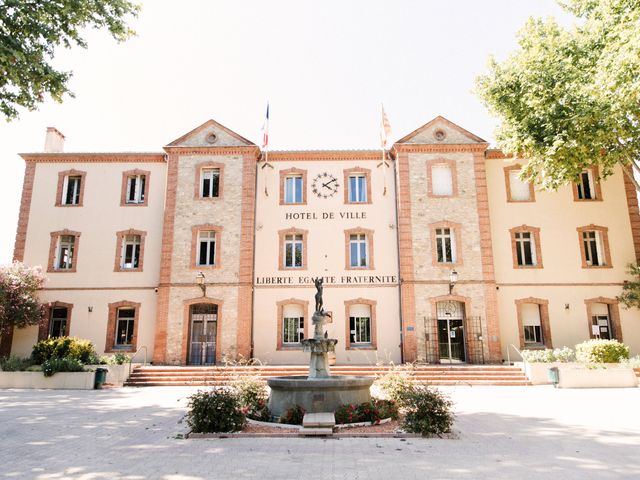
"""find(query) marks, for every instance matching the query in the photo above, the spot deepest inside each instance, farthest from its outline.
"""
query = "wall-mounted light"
(90, 309)
(453, 278)
(566, 306)
(200, 280)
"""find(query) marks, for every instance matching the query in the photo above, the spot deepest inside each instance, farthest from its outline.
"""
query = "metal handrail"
(511, 345)
(144, 347)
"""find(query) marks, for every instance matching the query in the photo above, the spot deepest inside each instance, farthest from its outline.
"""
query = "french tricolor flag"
(265, 130)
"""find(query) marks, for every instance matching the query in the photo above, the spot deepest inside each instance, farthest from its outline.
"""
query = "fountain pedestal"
(319, 347)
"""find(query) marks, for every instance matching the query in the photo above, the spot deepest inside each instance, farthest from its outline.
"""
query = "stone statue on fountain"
(319, 346)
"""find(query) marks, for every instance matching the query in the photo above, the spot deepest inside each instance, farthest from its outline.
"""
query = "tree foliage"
(570, 98)
(630, 296)
(30, 31)
(19, 306)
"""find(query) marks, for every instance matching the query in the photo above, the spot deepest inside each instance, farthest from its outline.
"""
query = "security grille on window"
(593, 248)
(210, 182)
(445, 245)
(124, 326)
(207, 248)
(357, 188)
(525, 249)
(58, 322)
(130, 252)
(71, 190)
(520, 191)
(441, 180)
(358, 250)
(531, 323)
(293, 189)
(293, 245)
(136, 188)
(360, 330)
(585, 186)
(64, 253)
(292, 330)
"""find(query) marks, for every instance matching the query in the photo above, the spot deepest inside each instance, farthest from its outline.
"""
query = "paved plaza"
(502, 432)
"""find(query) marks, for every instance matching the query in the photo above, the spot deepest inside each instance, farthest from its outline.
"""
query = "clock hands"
(329, 182)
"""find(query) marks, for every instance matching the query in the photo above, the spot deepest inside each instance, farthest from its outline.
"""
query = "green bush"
(216, 410)
(371, 412)
(120, 358)
(293, 415)
(386, 408)
(538, 356)
(601, 351)
(253, 395)
(396, 385)
(427, 411)
(64, 347)
(346, 414)
(55, 365)
(14, 364)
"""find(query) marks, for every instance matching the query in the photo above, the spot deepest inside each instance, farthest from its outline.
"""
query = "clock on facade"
(325, 185)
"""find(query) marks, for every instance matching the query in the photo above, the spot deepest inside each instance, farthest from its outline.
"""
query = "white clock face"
(325, 185)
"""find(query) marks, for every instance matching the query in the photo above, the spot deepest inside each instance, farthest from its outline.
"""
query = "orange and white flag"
(385, 129)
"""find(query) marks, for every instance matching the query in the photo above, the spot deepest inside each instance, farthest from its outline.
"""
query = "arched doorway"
(203, 329)
(451, 337)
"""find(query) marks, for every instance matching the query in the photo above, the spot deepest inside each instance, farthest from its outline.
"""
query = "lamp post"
(200, 281)
(453, 278)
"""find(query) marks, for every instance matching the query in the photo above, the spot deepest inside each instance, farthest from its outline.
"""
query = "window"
(293, 251)
(594, 246)
(357, 188)
(136, 189)
(125, 323)
(65, 253)
(445, 245)
(360, 329)
(70, 188)
(361, 326)
(517, 190)
(358, 250)
(207, 248)
(531, 324)
(293, 189)
(357, 183)
(603, 317)
(525, 250)
(587, 187)
(210, 182)
(130, 252)
(441, 181)
(292, 330)
(291, 323)
(58, 322)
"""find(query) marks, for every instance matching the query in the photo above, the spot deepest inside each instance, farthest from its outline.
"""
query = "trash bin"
(101, 377)
(554, 376)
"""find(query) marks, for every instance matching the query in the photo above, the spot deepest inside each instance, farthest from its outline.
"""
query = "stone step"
(315, 432)
(319, 420)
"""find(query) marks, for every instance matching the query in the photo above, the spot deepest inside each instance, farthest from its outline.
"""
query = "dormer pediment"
(211, 134)
(440, 131)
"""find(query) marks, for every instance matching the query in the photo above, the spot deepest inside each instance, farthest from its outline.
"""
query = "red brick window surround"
(293, 186)
(533, 323)
(206, 246)
(56, 320)
(358, 249)
(360, 324)
(446, 244)
(70, 191)
(517, 190)
(63, 251)
(122, 327)
(525, 247)
(357, 185)
(597, 309)
(293, 314)
(442, 178)
(292, 249)
(129, 251)
(594, 246)
(587, 188)
(209, 184)
(135, 188)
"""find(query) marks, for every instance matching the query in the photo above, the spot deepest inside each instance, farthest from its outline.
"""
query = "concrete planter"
(59, 381)
(116, 374)
(537, 372)
(613, 376)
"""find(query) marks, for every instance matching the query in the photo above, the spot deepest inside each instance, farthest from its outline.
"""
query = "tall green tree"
(30, 32)
(570, 98)
(630, 296)
(19, 305)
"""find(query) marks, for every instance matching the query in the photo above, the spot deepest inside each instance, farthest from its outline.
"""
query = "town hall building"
(432, 251)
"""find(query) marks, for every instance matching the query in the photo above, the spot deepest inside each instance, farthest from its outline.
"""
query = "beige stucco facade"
(218, 277)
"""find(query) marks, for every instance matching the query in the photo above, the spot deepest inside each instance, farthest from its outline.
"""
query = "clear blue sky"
(324, 66)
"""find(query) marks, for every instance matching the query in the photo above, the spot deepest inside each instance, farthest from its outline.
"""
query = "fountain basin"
(324, 394)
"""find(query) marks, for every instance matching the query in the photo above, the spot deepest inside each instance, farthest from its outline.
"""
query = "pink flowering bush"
(19, 305)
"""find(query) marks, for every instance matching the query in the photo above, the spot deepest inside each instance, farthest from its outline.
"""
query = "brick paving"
(502, 432)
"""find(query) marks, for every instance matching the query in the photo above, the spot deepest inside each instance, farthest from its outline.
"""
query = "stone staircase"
(148, 376)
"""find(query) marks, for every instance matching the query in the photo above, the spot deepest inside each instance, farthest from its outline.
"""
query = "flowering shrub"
(538, 356)
(54, 365)
(372, 412)
(395, 385)
(217, 410)
(252, 394)
(14, 364)
(427, 411)
(564, 355)
(19, 306)
(293, 416)
(601, 351)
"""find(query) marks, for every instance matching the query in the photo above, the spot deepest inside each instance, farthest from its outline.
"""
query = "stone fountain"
(319, 391)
